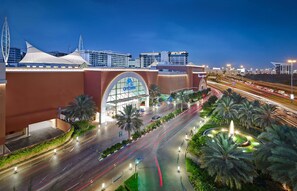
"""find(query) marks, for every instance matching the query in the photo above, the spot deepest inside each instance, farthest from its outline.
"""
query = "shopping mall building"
(33, 97)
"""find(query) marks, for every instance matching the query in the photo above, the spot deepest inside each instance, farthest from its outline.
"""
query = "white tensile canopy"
(36, 56)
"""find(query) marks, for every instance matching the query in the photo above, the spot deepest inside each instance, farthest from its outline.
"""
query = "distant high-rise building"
(105, 58)
(284, 68)
(174, 58)
(15, 56)
(134, 63)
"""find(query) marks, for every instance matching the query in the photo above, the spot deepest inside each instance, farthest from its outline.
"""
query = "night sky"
(214, 32)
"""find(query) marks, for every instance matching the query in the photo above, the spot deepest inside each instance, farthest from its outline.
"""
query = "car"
(156, 117)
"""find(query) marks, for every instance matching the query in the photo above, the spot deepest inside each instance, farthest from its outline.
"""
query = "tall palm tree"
(237, 98)
(129, 119)
(246, 112)
(226, 109)
(256, 103)
(265, 116)
(278, 154)
(82, 108)
(154, 92)
(228, 92)
(222, 159)
(183, 97)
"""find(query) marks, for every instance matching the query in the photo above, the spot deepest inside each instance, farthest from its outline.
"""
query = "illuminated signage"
(129, 85)
(201, 76)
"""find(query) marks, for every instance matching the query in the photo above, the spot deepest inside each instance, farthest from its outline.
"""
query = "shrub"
(121, 188)
(82, 127)
(212, 99)
(29, 152)
(132, 183)
(136, 135)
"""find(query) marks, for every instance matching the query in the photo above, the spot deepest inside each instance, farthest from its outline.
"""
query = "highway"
(285, 101)
(258, 95)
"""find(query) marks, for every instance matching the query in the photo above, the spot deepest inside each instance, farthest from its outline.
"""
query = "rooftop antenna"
(5, 41)
(80, 44)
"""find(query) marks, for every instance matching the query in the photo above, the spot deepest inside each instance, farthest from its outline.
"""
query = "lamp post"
(292, 95)
(136, 163)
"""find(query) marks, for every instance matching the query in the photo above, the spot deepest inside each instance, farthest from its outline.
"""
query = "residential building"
(174, 58)
(134, 63)
(106, 58)
(284, 68)
(14, 56)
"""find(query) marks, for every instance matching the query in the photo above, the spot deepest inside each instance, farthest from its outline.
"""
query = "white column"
(27, 133)
(147, 103)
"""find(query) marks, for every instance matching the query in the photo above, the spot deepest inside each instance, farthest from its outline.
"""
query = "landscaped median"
(29, 152)
(138, 134)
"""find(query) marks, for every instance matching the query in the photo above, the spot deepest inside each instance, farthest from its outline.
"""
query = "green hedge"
(82, 127)
(121, 188)
(26, 153)
(132, 183)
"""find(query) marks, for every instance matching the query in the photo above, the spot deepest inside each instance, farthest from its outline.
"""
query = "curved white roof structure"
(36, 56)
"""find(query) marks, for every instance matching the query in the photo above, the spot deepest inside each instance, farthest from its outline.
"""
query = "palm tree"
(154, 92)
(278, 154)
(222, 159)
(245, 114)
(256, 103)
(82, 108)
(129, 119)
(183, 97)
(265, 116)
(228, 92)
(226, 109)
(237, 98)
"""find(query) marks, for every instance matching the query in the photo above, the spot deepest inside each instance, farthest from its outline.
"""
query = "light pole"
(292, 95)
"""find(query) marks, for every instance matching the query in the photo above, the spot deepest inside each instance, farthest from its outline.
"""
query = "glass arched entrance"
(127, 88)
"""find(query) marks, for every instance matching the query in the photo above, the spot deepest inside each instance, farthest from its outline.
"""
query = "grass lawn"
(132, 183)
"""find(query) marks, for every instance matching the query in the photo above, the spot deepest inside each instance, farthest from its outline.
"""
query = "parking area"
(35, 137)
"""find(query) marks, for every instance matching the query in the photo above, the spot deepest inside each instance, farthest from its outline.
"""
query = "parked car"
(156, 117)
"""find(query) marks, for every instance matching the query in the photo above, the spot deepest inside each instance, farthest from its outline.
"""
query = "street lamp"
(178, 149)
(178, 169)
(103, 186)
(136, 163)
(292, 95)
(76, 139)
(15, 169)
(55, 151)
(130, 166)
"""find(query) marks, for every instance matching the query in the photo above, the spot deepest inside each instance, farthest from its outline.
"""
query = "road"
(73, 162)
(255, 95)
(159, 156)
(285, 101)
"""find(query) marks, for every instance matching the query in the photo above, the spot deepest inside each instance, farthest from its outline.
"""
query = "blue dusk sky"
(214, 32)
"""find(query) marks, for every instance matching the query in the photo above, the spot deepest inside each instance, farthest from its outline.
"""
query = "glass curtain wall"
(128, 90)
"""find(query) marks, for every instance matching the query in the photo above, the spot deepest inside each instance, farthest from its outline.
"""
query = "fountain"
(231, 129)
(244, 141)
